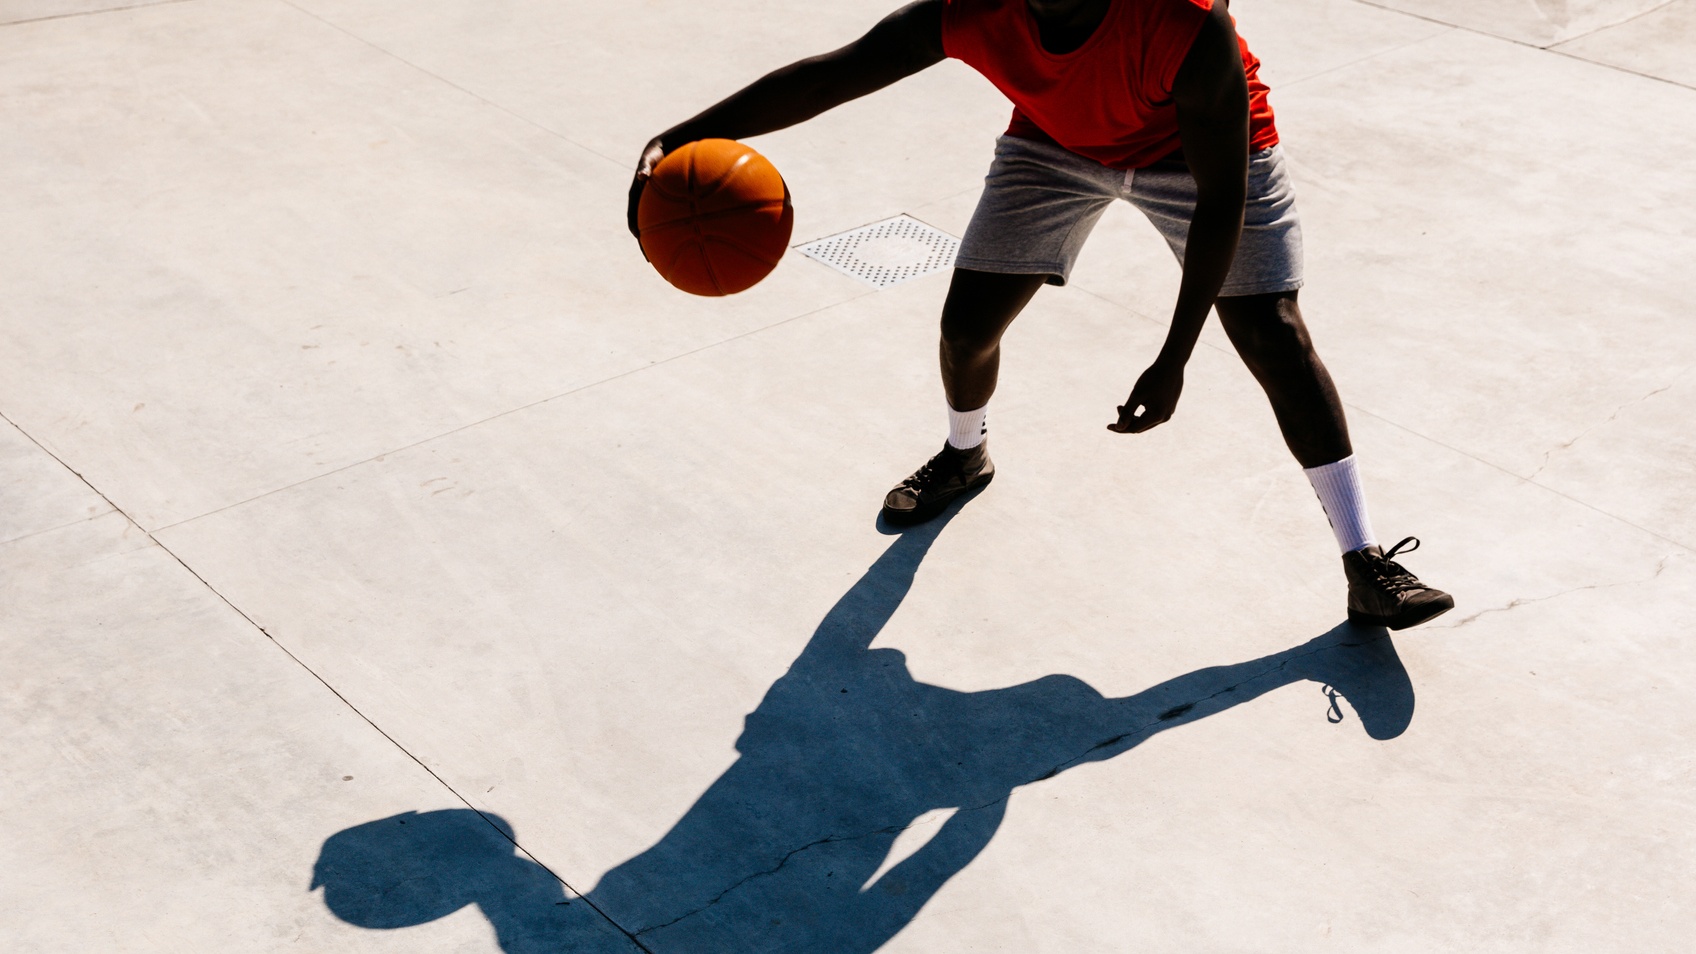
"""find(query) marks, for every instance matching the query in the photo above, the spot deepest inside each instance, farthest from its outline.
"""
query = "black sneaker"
(941, 481)
(1383, 593)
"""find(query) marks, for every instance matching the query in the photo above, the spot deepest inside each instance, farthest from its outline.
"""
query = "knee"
(1282, 340)
(1269, 335)
(965, 342)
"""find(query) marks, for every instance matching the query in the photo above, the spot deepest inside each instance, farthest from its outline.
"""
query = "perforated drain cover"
(886, 253)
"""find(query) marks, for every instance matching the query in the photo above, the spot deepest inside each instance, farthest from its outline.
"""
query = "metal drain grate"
(886, 253)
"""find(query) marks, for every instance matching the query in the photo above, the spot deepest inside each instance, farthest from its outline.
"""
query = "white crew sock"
(967, 428)
(1338, 487)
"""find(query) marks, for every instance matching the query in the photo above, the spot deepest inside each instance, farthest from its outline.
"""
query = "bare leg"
(979, 308)
(1269, 334)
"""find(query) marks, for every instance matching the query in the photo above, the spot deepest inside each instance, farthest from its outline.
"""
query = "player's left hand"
(1155, 395)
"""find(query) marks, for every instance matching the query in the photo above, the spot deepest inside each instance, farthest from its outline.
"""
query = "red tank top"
(1110, 99)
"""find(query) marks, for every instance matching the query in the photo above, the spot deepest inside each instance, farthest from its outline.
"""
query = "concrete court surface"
(357, 477)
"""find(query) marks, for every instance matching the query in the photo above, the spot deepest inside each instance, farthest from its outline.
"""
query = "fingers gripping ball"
(715, 217)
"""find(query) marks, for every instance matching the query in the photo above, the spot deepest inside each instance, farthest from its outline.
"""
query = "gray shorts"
(1040, 202)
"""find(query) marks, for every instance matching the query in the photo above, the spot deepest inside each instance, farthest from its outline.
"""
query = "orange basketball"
(715, 217)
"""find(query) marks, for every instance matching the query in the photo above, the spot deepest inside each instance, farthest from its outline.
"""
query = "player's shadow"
(786, 851)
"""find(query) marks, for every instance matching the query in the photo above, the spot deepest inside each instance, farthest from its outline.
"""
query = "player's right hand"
(1153, 400)
(651, 156)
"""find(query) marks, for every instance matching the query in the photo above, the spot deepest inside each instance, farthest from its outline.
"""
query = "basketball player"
(1157, 102)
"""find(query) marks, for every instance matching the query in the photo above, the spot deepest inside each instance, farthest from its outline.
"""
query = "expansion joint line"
(1554, 48)
(325, 683)
(92, 13)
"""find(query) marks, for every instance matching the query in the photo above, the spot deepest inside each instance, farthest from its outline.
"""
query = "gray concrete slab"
(1657, 43)
(609, 78)
(36, 492)
(1564, 274)
(334, 298)
(287, 251)
(1536, 22)
(592, 633)
(1305, 38)
(1634, 462)
(171, 775)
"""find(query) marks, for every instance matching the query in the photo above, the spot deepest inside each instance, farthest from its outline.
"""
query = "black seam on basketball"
(676, 254)
(658, 185)
(706, 262)
(712, 273)
(664, 193)
(694, 185)
(710, 216)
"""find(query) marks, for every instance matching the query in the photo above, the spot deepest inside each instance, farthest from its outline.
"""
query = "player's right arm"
(903, 43)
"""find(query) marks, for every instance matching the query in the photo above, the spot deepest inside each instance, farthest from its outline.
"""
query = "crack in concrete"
(829, 839)
(1517, 602)
(1549, 454)
(1168, 715)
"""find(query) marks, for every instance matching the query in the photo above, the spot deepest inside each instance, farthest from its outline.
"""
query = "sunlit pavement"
(356, 465)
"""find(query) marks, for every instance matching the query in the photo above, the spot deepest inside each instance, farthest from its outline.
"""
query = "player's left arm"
(1211, 95)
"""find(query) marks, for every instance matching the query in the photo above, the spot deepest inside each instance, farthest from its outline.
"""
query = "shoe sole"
(1423, 614)
(918, 515)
